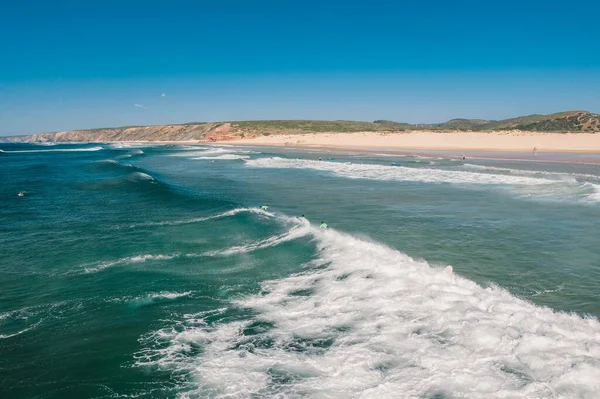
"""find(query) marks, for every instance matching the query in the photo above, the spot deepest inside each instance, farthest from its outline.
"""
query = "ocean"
(141, 271)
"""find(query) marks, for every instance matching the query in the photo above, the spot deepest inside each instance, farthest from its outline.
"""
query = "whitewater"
(366, 320)
(151, 271)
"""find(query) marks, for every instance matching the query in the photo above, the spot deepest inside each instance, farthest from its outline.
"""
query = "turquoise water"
(150, 272)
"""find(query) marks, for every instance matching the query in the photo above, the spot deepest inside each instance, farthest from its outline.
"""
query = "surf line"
(201, 219)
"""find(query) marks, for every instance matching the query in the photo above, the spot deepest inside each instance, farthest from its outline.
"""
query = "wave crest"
(366, 320)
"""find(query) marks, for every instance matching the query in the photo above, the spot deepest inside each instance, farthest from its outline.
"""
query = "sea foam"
(364, 320)
(225, 214)
(523, 184)
(88, 149)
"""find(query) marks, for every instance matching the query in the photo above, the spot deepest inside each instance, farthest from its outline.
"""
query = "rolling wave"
(562, 176)
(99, 266)
(294, 233)
(529, 186)
(398, 173)
(129, 176)
(56, 150)
(204, 218)
(19, 321)
(152, 298)
(365, 320)
(224, 157)
(214, 153)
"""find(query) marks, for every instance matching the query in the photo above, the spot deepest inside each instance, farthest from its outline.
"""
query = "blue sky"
(75, 64)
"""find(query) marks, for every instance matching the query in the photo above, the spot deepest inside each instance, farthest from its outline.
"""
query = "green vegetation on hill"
(311, 126)
(571, 121)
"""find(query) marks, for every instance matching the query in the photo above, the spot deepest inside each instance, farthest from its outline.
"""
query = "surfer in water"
(324, 225)
(21, 193)
(264, 207)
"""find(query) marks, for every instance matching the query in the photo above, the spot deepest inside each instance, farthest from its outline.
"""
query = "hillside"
(572, 121)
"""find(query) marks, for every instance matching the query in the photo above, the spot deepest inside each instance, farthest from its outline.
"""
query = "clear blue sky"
(83, 64)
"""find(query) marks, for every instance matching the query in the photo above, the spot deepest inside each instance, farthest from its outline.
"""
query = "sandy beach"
(500, 141)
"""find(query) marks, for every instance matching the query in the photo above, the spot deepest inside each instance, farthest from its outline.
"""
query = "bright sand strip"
(509, 141)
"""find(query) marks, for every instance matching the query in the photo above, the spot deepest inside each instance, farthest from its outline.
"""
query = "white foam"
(26, 317)
(205, 218)
(224, 157)
(562, 176)
(99, 266)
(133, 145)
(368, 321)
(294, 233)
(153, 297)
(214, 153)
(399, 173)
(525, 185)
(190, 148)
(5, 336)
(169, 295)
(141, 176)
(59, 150)
(189, 153)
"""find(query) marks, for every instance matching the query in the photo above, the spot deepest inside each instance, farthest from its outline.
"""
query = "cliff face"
(199, 132)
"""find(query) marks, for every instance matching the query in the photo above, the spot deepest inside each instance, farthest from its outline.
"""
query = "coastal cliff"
(186, 132)
(571, 121)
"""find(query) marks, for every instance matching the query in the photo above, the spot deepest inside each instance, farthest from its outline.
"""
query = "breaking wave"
(57, 150)
(214, 153)
(294, 233)
(542, 186)
(203, 219)
(99, 266)
(562, 176)
(224, 157)
(364, 320)
(152, 298)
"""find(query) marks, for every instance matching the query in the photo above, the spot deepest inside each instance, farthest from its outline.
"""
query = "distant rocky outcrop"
(571, 121)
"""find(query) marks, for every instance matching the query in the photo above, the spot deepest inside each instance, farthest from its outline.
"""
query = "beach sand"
(498, 141)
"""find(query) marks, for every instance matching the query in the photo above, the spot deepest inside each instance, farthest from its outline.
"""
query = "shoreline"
(512, 141)
(557, 158)
(576, 148)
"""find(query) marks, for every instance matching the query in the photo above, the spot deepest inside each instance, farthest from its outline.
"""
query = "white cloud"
(138, 106)
(163, 95)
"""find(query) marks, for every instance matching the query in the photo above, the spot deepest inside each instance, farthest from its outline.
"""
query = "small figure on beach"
(264, 207)
(324, 225)
(534, 150)
(463, 158)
